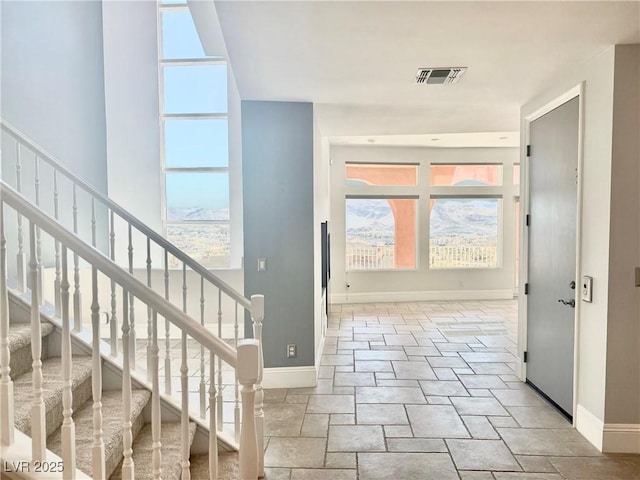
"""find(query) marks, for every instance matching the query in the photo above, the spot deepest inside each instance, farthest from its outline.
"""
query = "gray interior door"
(551, 299)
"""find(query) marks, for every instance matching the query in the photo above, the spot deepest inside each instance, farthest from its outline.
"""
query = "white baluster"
(203, 386)
(248, 370)
(21, 267)
(236, 408)
(36, 181)
(184, 417)
(77, 301)
(6, 384)
(56, 213)
(220, 404)
(167, 330)
(257, 314)
(68, 428)
(127, 438)
(213, 427)
(38, 422)
(113, 322)
(93, 222)
(149, 313)
(98, 442)
(156, 421)
(132, 318)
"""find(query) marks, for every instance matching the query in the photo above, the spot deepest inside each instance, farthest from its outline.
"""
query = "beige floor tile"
(518, 398)
(315, 425)
(610, 467)
(535, 441)
(536, 464)
(482, 381)
(283, 420)
(397, 431)
(413, 370)
(476, 476)
(478, 406)
(276, 474)
(423, 466)
(373, 414)
(480, 428)
(528, 476)
(389, 395)
(443, 388)
(331, 404)
(340, 460)
(436, 421)
(416, 445)
(324, 474)
(355, 438)
(379, 355)
(373, 366)
(482, 455)
(359, 379)
(538, 417)
(295, 452)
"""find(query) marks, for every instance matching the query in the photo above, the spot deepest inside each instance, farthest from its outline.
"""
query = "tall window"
(195, 140)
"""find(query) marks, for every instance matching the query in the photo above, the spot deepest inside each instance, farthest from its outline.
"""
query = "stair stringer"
(81, 344)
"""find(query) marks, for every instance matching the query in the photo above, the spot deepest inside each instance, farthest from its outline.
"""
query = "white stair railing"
(127, 241)
(245, 360)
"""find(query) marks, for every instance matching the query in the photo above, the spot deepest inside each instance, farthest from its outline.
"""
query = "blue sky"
(193, 142)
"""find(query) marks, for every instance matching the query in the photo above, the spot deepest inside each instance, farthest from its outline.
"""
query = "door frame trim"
(576, 91)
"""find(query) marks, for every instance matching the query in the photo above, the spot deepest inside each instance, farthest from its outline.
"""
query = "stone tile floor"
(425, 391)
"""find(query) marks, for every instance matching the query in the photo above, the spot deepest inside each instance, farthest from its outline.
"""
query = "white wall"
(420, 283)
(321, 213)
(132, 108)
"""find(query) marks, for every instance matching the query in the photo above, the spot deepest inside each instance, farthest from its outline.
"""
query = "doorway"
(551, 262)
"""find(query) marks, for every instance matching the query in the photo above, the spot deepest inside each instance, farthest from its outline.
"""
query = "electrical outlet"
(291, 350)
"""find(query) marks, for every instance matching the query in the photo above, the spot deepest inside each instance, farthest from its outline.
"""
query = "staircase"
(20, 348)
(86, 401)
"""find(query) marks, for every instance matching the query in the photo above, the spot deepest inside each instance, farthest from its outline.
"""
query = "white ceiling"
(357, 60)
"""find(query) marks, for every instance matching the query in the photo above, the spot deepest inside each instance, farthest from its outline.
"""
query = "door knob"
(571, 303)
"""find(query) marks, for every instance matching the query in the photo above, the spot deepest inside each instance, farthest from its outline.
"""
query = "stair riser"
(21, 360)
(81, 394)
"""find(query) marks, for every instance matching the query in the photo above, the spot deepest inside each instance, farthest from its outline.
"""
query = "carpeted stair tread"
(111, 429)
(20, 334)
(228, 467)
(51, 390)
(143, 451)
(20, 346)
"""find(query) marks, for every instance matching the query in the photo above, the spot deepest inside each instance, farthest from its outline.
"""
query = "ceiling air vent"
(439, 76)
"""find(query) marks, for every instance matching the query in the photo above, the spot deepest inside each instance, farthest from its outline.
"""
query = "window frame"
(163, 117)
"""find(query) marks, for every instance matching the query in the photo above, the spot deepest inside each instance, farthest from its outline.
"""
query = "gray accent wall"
(277, 151)
(622, 400)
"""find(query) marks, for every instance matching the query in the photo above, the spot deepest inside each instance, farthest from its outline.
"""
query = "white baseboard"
(621, 438)
(290, 377)
(420, 296)
(590, 426)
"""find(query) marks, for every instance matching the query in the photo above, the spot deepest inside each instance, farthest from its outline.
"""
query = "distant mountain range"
(197, 213)
(370, 221)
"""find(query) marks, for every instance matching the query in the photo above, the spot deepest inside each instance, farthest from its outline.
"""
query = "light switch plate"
(262, 264)
(587, 289)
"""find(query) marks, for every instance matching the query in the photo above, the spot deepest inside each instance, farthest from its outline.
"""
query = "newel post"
(247, 370)
(257, 315)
